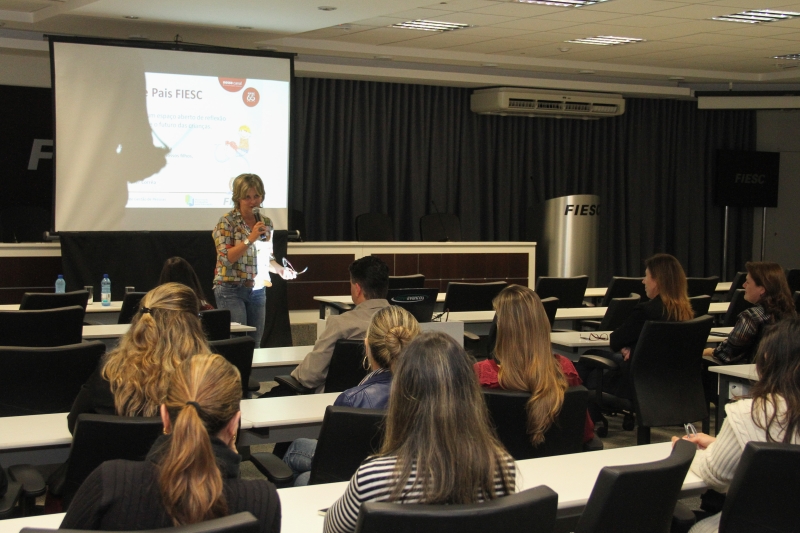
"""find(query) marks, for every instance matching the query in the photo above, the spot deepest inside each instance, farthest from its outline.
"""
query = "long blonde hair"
(526, 359)
(164, 332)
(391, 329)
(438, 424)
(203, 397)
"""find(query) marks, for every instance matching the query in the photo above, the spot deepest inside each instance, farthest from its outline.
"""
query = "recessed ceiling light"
(755, 16)
(327, 8)
(131, 17)
(794, 57)
(562, 3)
(430, 25)
(244, 27)
(606, 40)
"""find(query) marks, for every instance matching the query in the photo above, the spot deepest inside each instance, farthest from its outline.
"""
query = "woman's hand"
(286, 273)
(626, 353)
(708, 352)
(258, 230)
(701, 439)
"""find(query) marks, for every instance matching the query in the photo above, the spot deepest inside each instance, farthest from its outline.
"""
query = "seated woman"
(178, 270)
(767, 289)
(132, 380)
(437, 424)
(524, 361)
(771, 414)
(192, 471)
(391, 329)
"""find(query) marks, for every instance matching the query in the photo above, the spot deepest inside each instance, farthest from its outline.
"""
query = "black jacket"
(94, 397)
(627, 335)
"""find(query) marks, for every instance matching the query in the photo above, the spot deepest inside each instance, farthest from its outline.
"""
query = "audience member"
(178, 270)
(439, 447)
(192, 471)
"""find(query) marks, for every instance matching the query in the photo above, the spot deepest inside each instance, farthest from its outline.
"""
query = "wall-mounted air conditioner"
(543, 103)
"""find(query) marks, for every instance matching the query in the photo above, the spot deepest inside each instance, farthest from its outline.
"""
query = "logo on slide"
(189, 200)
(250, 97)
(233, 85)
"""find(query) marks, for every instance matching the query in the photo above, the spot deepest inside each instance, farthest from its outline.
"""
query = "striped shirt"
(373, 482)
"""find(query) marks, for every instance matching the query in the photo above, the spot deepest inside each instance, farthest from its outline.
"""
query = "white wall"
(779, 131)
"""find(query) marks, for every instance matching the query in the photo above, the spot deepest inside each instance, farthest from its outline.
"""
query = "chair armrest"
(598, 361)
(682, 519)
(471, 336)
(253, 385)
(273, 468)
(8, 501)
(594, 324)
(342, 308)
(293, 384)
(32, 481)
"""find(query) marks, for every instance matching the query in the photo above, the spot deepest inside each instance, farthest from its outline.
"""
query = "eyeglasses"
(595, 337)
(287, 264)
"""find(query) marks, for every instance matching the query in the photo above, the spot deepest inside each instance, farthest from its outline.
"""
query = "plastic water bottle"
(61, 285)
(105, 290)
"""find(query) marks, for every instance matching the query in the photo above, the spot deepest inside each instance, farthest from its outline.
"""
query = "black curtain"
(397, 149)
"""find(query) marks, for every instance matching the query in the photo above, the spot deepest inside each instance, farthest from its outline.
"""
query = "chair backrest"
(348, 436)
(374, 227)
(702, 286)
(471, 296)
(529, 511)
(640, 497)
(700, 305)
(346, 369)
(763, 487)
(239, 352)
(618, 311)
(620, 287)
(438, 227)
(236, 523)
(666, 372)
(569, 291)
(797, 301)
(46, 327)
(45, 380)
(736, 284)
(793, 279)
(412, 281)
(130, 306)
(100, 438)
(216, 324)
(44, 300)
(551, 306)
(510, 419)
(418, 302)
(737, 305)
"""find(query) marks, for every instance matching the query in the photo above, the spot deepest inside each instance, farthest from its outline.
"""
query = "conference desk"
(109, 333)
(571, 476)
(101, 314)
(729, 374)
(271, 362)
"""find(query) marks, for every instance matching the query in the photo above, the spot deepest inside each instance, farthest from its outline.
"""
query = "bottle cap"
(61, 276)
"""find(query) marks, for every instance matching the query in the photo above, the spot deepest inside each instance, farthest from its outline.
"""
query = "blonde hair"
(203, 397)
(438, 424)
(391, 329)
(243, 183)
(672, 286)
(163, 333)
(526, 358)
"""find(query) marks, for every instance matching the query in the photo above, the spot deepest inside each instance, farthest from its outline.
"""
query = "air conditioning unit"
(541, 103)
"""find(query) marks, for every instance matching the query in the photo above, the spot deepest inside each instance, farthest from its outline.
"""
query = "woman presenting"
(235, 236)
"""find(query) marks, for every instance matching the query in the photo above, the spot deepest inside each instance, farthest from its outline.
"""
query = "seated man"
(369, 282)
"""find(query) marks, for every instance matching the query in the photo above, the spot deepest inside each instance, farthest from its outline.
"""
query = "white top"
(112, 331)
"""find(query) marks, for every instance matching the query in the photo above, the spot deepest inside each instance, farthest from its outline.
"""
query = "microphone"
(441, 223)
(257, 214)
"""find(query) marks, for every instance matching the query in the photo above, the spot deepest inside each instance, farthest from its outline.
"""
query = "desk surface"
(582, 339)
(96, 307)
(286, 356)
(34, 430)
(112, 331)
(738, 371)
(286, 410)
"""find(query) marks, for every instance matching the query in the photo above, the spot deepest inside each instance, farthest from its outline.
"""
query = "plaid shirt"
(231, 230)
(741, 344)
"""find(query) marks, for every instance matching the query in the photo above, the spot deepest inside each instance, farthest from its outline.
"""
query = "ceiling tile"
(331, 33)
(636, 7)
(381, 36)
(462, 5)
(494, 46)
(518, 9)
(583, 15)
(537, 24)
(420, 13)
(475, 19)
(695, 12)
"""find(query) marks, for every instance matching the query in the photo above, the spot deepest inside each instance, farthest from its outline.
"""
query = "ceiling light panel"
(756, 16)
(606, 40)
(430, 25)
(795, 57)
(562, 3)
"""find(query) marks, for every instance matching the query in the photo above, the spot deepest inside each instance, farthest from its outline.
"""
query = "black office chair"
(797, 301)
(10, 493)
(440, 227)
(412, 281)
(640, 497)
(46, 327)
(236, 523)
(737, 305)
(23, 484)
(529, 511)
(551, 306)
(510, 418)
(618, 311)
(216, 324)
(702, 286)
(32, 301)
(621, 287)
(664, 377)
(238, 351)
(471, 296)
(793, 279)
(345, 371)
(763, 487)
(418, 302)
(45, 380)
(569, 291)
(374, 227)
(736, 284)
(700, 305)
(130, 306)
(100, 438)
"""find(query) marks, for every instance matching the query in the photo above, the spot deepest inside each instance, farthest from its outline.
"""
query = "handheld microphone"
(257, 214)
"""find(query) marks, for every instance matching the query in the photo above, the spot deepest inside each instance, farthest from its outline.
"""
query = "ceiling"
(507, 43)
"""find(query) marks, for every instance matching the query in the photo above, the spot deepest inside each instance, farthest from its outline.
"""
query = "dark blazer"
(372, 393)
(627, 335)
(94, 397)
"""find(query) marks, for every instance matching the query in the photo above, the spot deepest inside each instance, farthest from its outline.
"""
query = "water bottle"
(61, 285)
(105, 290)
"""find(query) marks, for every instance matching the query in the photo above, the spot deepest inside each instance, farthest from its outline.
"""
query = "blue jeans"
(299, 457)
(247, 306)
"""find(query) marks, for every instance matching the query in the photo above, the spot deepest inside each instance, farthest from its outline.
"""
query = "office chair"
(374, 227)
(700, 305)
(345, 371)
(236, 523)
(44, 300)
(620, 287)
(471, 296)
(569, 291)
(440, 227)
(418, 302)
(238, 351)
(216, 324)
(796, 297)
(46, 327)
(412, 281)
(23, 484)
(793, 279)
(702, 286)
(737, 305)
(736, 284)
(551, 306)
(130, 306)
(618, 311)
